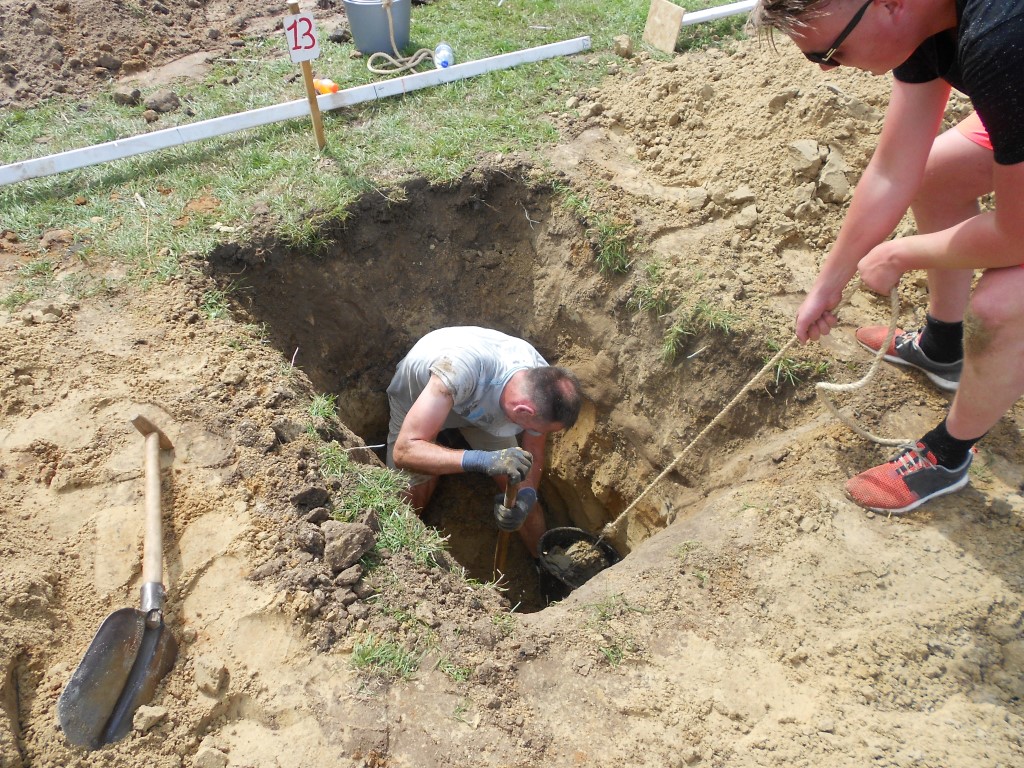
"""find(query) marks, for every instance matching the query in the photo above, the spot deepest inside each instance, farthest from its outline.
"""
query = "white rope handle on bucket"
(396, 63)
(820, 389)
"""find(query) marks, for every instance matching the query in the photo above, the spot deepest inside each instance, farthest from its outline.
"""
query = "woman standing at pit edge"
(971, 343)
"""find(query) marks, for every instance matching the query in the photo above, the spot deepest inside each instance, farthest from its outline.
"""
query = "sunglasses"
(826, 57)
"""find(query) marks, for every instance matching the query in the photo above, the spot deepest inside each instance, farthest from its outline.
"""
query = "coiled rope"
(823, 386)
(820, 389)
(396, 63)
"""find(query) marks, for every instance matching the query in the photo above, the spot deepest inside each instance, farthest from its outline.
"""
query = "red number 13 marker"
(300, 32)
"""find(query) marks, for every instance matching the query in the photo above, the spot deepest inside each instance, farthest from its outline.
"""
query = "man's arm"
(989, 240)
(416, 447)
(534, 445)
(534, 525)
(882, 196)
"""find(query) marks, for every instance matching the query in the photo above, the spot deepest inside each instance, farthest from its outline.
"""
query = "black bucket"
(569, 557)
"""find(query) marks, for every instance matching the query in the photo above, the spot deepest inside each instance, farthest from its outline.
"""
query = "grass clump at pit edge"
(366, 488)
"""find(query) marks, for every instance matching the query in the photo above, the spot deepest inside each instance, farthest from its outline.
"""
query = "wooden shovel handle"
(511, 491)
(153, 546)
(501, 548)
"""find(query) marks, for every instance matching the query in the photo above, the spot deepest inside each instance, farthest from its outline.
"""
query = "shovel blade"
(119, 673)
(155, 658)
(91, 694)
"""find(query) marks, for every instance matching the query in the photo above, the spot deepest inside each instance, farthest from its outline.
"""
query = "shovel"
(133, 649)
(501, 548)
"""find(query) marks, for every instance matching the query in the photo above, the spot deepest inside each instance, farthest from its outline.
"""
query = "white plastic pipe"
(218, 126)
(710, 14)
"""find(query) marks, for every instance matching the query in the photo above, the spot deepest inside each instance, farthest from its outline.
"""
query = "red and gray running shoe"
(905, 350)
(906, 481)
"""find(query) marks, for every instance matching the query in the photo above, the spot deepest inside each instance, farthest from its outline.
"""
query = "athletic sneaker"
(907, 481)
(904, 350)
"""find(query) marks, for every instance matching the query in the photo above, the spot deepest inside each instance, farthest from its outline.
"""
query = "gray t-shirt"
(474, 364)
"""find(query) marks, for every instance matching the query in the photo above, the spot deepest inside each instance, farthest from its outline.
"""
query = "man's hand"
(513, 462)
(512, 518)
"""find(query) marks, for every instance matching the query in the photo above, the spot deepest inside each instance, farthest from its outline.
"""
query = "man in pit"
(973, 340)
(493, 388)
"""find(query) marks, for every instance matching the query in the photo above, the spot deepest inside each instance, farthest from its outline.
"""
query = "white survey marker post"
(303, 47)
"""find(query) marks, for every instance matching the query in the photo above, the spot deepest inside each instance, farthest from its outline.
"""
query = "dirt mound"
(768, 622)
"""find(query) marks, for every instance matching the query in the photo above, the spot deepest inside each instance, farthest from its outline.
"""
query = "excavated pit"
(500, 251)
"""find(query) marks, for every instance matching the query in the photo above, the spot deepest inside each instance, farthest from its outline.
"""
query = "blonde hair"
(787, 16)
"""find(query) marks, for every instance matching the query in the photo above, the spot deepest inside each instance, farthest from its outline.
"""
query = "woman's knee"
(997, 303)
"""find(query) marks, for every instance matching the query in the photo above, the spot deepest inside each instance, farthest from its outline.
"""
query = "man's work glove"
(514, 462)
(512, 518)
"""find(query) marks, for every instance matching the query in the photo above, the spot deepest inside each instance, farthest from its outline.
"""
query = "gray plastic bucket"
(368, 21)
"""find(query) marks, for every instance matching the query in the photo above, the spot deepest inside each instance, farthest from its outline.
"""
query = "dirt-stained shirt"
(983, 57)
(474, 364)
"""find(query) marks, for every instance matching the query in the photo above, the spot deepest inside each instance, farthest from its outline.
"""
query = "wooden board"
(663, 22)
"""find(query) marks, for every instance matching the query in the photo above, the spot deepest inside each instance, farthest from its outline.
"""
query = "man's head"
(873, 35)
(544, 399)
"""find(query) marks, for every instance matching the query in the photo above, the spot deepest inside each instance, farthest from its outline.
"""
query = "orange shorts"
(972, 128)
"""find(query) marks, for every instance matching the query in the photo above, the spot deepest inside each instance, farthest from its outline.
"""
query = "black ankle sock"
(943, 342)
(949, 451)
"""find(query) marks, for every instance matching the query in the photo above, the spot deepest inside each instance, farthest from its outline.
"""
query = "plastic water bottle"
(444, 56)
(324, 85)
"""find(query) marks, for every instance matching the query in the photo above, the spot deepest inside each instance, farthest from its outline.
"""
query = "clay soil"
(757, 618)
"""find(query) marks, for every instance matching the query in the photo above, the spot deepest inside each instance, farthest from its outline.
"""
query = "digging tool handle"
(152, 551)
(501, 548)
(152, 555)
(511, 491)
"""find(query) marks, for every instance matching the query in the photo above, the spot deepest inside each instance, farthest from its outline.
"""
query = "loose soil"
(758, 617)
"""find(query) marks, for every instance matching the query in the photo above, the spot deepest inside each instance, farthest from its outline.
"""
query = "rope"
(823, 386)
(675, 462)
(396, 63)
(820, 389)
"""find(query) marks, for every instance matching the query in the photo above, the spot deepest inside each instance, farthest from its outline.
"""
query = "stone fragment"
(209, 757)
(310, 497)
(210, 675)
(740, 196)
(163, 100)
(747, 218)
(310, 538)
(55, 237)
(781, 99)
(232, 375)
(147, 717)
(345, 544)
(133, 65)
(805, 158)
(106, 60)
(833, 185)
(317, 515)
(287, 430)
(349, 576)
(127, 96)
(695, 198)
